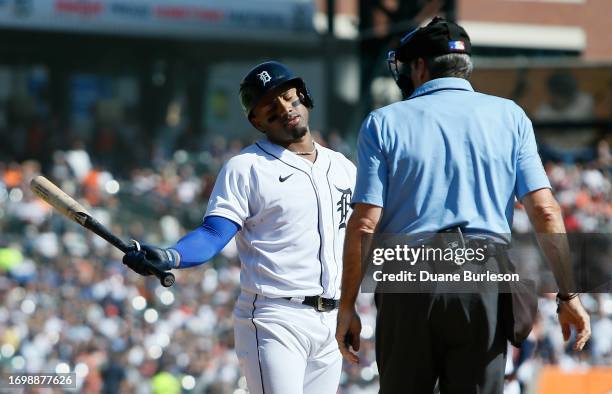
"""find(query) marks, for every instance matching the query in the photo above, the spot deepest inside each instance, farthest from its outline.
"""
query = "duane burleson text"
(424, 276)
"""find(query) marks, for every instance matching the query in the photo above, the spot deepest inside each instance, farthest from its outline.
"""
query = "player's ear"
(421, 69)
(302, 98)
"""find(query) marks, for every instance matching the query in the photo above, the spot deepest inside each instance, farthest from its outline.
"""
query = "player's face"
(282, 116)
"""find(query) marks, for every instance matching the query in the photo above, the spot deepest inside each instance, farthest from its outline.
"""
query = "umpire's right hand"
(145, 260)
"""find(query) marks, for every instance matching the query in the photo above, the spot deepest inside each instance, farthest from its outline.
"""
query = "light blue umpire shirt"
(447, 156)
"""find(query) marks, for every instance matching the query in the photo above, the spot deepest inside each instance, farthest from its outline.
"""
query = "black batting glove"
(149, 257)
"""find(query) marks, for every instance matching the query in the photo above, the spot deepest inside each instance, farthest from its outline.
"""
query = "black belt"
(319, 303)
(492, 248)
(452, 237)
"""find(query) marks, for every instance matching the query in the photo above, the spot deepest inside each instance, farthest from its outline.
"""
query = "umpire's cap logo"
(264, 77)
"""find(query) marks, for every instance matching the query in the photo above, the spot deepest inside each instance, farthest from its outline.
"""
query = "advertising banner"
(184, 18)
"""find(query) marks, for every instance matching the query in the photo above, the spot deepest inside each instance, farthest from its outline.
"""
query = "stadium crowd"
(69, 304)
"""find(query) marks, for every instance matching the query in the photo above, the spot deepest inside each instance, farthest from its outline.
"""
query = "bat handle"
(166, 278)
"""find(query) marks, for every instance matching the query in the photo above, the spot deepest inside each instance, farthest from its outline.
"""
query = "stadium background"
(132, 106)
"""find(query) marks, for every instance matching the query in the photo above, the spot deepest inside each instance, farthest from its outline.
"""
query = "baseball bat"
(54, 196)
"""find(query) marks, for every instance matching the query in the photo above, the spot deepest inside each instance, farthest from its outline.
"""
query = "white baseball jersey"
(293, 215)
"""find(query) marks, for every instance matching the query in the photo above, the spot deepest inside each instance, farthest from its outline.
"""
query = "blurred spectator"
(78, 160)
(68, 302)
(566, 103)
(113, 374)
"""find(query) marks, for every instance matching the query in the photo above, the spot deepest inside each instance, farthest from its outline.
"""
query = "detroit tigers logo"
(343, 205)
(264, 77)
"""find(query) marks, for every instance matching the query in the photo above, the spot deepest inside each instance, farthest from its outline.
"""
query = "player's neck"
(309, 153)
(305, 144)
(304, 147)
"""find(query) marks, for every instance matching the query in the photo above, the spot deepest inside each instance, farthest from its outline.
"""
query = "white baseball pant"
(285, 347)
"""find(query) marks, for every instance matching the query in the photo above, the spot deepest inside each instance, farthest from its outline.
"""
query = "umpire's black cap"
(266, 77)
(439, 37)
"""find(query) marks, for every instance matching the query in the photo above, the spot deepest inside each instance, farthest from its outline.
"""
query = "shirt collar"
(441, 84)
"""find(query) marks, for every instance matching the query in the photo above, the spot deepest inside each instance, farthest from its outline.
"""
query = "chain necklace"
(314, 149)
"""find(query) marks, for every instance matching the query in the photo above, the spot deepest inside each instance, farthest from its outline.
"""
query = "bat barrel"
(59, 200)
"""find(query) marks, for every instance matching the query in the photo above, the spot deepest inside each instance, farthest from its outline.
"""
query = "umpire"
(446, 158)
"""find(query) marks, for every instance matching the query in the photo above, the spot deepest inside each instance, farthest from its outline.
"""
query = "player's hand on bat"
(348, 331)
(142, 261)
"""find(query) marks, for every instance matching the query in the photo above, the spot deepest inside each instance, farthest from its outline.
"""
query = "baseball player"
(286, 198)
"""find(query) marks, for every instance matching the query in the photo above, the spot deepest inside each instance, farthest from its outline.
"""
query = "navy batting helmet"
(268, 76)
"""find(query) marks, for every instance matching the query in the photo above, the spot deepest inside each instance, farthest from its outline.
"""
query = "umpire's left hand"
(572, 313)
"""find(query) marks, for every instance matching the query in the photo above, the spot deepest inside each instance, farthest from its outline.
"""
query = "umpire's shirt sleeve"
(530, 174)
(371, 186)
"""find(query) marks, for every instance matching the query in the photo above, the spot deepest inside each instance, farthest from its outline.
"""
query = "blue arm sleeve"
(203, 243)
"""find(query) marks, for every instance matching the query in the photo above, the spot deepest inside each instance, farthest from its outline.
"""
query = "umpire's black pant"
(455, 338)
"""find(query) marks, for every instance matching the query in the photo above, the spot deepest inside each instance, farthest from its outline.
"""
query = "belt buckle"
(320, 305)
